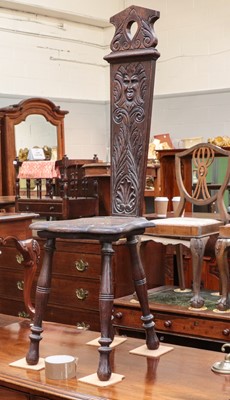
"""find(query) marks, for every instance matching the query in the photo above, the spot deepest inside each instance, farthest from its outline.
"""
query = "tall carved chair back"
(132, 62)
(131, 88)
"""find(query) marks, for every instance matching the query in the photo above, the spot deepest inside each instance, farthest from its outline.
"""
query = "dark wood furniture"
(15, 228)
(13, 115)
(183, 373)
(221, 251)
(66, 194)
(195, 231)
(132, 63)
(7, 201)
(167, 173)
(177, 322)
(76, 279)
(101, 171)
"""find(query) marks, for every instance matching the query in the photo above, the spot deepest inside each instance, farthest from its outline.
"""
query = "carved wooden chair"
(132, 63)
(195, 230)
(221, 251)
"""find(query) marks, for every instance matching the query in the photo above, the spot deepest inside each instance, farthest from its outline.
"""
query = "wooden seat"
(56, 189)
(132, 62)
(195, 230)
(221, 251)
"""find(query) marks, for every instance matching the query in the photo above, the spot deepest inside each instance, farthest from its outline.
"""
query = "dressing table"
(31, 122)
(56, 189)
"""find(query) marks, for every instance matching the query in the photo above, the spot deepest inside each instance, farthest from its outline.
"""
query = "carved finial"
(144, 37)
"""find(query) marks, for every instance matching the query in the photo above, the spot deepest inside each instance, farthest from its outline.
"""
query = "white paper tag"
(36, 154)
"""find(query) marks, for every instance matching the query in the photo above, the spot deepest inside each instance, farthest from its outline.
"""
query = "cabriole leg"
(197, 247)
(221, 252)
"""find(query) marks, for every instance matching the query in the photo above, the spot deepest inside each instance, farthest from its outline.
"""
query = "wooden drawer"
(79, 293)
(42, 207)
(13, 307)
(55, 313)
(13, 281)
(78, 317)
(196, 327)
(77, 264)
(9, 257)
(174, 324)
(78, 246)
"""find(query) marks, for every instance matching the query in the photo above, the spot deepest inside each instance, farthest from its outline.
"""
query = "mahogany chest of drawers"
(76, 279)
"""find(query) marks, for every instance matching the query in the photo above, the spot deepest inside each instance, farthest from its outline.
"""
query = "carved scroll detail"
(30, 251)
(144, 36)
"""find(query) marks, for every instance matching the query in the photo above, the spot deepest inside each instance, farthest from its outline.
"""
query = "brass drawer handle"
(168, 324)
(81, 293)
(81, 265)
(23, 314)
(52, 208)
(82, 326)
(20, 285)
(19, 258)
(119, 315)
(27, 208)
(226, 332)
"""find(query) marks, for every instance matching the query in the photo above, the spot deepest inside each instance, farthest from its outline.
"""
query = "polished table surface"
(182, 374)
(16, 225)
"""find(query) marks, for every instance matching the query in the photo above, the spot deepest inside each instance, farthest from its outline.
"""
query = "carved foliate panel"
(132, 61)
(130, 85)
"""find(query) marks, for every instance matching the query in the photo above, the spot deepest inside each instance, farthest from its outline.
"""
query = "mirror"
(32, 122)
(36, 131)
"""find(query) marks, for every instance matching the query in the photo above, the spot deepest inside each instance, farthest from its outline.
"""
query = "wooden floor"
(184, 373)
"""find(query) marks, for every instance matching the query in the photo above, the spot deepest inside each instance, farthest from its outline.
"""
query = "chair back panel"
(203, 191)
(132, 70)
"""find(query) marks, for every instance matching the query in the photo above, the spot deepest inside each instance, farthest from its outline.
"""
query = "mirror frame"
(13, 115)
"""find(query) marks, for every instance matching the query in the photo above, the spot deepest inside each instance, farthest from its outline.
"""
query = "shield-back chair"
(195, 229)
(132, 68)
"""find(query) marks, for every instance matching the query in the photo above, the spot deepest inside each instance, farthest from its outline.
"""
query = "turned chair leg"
(197, 250)
(106, 298)
(41, 300)
(221, 252)
(140, 284)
